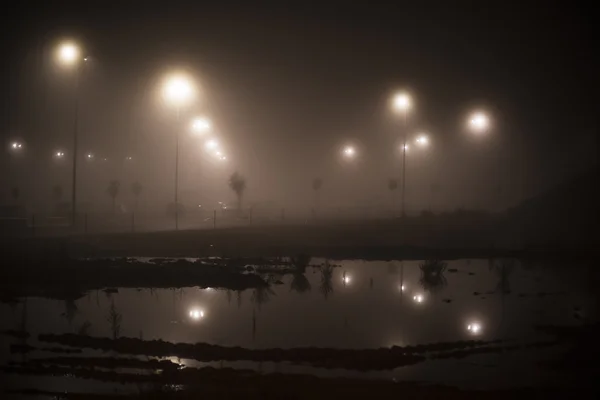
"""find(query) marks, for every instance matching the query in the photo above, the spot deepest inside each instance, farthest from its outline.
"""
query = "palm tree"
(57, 193)
(432, 275)
(136, 188)
(261, 295)
(114, 319)
(393, 186)
(237, 183)
(299, 282)
(326, 286)
(113, 191)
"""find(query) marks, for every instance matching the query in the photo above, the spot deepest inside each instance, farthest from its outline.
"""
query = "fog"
(284, 99)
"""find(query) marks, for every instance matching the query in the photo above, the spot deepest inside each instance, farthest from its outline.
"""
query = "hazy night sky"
(287, 86)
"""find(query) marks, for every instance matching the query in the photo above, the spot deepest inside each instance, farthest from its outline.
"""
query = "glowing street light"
(418, 298)
(89, 156)
(349, 152)
(201, 125)
(479, 122)
(68, 53)
(212, 144)
(178, 89)
(59, 154)
(16, 146)
(401, 102)
(422, 140)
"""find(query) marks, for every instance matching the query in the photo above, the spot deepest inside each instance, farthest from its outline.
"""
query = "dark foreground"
(299, 327)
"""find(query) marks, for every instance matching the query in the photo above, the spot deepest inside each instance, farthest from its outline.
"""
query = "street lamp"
(349, 152)
(178, 91)
(69, 55)
(422, 140)
(401, 104)
(59, 154)
(479, 122)
(212, 144)
(16, 146)
(201, 125)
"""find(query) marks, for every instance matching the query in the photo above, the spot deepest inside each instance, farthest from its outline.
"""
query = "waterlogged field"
(471, 324)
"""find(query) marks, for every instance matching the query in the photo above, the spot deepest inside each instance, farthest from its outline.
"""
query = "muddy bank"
(71, 279)
(366, 359)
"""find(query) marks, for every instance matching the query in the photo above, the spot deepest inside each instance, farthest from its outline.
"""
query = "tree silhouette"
(113, 191)
(393, 186)
(136, 188)
(70, 311)
(261, 295)
(237, 183)
(326, 286)
(15, 193)
(299, 282)
(114, 319)
(432, 275)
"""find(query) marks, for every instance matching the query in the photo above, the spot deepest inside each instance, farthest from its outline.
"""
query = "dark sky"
(287, 85)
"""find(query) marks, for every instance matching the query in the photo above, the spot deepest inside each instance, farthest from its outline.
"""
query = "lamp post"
(69, 55)
(402, 103)
(178, 91)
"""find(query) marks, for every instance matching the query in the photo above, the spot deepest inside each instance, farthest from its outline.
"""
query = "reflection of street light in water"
(345, 278)
(474, 328)
(418, 298)
(196, 314)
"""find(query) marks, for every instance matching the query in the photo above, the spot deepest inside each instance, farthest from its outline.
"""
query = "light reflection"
(346, 280)
(418, 298)
(474, 328)
(196, 314)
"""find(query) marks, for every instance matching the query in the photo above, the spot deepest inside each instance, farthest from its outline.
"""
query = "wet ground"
(468, 324)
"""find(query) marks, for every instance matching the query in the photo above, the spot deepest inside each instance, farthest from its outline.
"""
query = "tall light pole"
(178, 91)
(69, 55)
(402, 103)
